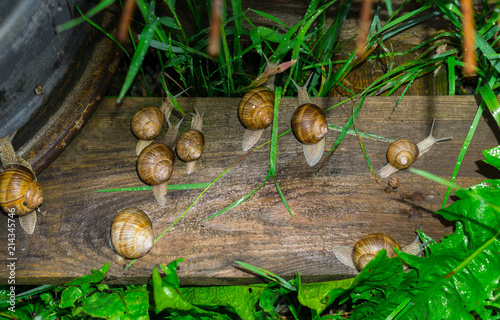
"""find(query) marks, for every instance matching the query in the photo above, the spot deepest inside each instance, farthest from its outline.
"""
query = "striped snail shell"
(189, 145)
(20, 192)
(402, 153)
(256, 108)
(132, 233)
(309, 123)
(367, 248)
(155, 163)
(147, 123)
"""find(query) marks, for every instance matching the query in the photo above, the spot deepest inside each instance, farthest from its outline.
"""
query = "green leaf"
(492, 156)
(69, 297)
(130, 304)
(239, 299)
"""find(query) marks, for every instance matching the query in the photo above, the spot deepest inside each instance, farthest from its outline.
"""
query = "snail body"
(309, 126)
(367, 248)
(256, 108)
(23, 193)
(256, 112)
(309, 123)
(20, 192)
(189, 147)
(132, 233)
(190, 144)
(402, 153)
(147, 124)
(154, 166)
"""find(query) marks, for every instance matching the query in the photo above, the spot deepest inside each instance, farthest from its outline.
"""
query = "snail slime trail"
(11, 258)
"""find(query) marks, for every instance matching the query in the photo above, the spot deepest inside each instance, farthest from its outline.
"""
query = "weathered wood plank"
(338, 207)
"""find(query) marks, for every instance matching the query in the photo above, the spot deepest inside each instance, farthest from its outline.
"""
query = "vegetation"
(458, 278)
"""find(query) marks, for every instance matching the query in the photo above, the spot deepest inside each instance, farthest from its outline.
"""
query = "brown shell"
(132, 233)
(147, 123)
(402, 153)
(256, 108)
(309, 123)
(20, 192)
(367, 247)
(190, 144)
(155, 163)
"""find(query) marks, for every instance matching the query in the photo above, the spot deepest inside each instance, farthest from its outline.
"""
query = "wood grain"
(337, 208)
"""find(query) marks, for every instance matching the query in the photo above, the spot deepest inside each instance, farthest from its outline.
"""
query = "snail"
(20, 193)
(402, 153)
(132, 233)
(146, 126)
(309, 126)
(367, 248)
(256, 108)
(189, 145)
(156, 163)
(148, 122)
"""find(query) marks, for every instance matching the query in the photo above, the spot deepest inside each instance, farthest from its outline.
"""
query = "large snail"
(367, 248)
(402, 153)
(132, 233)
(309, 126)
(20, 193)
(154, 166)
(256, 108)
(148, 122)
(189, 145)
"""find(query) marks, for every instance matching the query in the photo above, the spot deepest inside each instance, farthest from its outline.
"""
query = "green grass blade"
(365, 155)
(465, 146)
(169, 187)
(491, 101)
(96, 9)
(241, 200)
(103, 31)
(451, 75)
(269, 275)
(146, 36)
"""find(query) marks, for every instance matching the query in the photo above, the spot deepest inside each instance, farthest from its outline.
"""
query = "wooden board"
(337, 208)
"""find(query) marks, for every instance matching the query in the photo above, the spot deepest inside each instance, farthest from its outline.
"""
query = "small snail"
(309, 126)
(148, 122)
(146, 126)
(154, 166)
(20, 193)
(256, 108)
(132, 233)
(367, 248)
(189, 146)
(402, 153)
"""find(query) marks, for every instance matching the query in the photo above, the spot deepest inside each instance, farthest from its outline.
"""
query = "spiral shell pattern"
(20, 192)
(132, 233)
(190, 145)
(309, 123)
(367, 248)
(155, 163)
(256, 108)
(147, 123)
(402, 153)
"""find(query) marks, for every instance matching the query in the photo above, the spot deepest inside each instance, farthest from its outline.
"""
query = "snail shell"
(21, 192)
(132, 233)
(147, 123)
(155, 163)
(309, 123)
(367, 248)
(256, 108)
(402, 153)
(189, 145)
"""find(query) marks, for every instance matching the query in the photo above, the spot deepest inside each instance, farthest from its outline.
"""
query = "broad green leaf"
(239, 299)
(69, 296)
(130, 304)
(493, 156)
